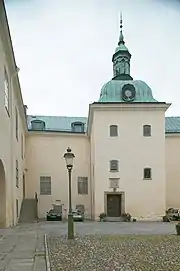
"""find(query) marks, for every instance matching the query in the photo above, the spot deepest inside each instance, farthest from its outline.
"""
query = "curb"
(48, 266)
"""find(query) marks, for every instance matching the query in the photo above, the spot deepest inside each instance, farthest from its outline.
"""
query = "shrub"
(127, 217)
(102, 216)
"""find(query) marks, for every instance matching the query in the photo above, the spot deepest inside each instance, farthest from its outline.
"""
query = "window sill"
(147, 178)
(45, 194)
(82, 194)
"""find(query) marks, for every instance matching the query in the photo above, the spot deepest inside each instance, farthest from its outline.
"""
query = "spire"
(121, 37)
(121, 58)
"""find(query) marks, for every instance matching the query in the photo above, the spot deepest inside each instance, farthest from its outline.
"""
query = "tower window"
(146, 130)
(114, 165)
(37, 125)
(77, 127)
(113, 130)
(147, 173)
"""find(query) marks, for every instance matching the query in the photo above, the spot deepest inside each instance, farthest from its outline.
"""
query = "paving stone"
(39, 263)
(21, 265)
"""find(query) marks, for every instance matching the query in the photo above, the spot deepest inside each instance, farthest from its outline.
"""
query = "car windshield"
(76, 212)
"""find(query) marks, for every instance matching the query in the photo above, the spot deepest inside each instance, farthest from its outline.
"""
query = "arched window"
(146, 130)
(77, 127)
(38, 125)
(113, 130)
(147, 173)
(114, 165)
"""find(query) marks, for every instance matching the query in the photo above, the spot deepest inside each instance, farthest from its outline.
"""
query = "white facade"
(124, 172)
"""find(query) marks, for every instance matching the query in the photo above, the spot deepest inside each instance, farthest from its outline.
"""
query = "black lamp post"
(69, 156)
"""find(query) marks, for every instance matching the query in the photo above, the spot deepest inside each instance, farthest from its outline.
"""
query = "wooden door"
(113, 205)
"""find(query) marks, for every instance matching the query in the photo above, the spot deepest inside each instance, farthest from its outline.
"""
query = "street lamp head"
(69, 156)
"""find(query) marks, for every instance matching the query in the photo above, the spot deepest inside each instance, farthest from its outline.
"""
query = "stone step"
(113, 219)
(28, 211)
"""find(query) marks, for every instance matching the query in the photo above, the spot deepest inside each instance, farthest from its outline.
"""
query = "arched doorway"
(2, 196)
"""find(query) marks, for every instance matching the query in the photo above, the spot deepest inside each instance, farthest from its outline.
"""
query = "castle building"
(127, 152)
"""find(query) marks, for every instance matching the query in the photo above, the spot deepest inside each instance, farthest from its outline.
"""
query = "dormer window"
(77, 127)
(38, 125)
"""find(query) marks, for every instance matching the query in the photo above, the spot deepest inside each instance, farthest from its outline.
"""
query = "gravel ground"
(115, 253)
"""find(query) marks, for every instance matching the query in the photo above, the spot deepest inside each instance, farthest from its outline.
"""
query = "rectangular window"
(113, 130)
(82, 185)
(45, 185)
(22, 146)
(146, 130)
(147, 173)
(114, 165)
(17, 174)
(6, 90)
(16, 113)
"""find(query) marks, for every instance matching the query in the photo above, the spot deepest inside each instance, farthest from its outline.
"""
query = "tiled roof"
(172, 125)
(63, 124)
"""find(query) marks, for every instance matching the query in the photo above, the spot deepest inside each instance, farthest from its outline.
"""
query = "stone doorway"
(114, 204)
(2, 196)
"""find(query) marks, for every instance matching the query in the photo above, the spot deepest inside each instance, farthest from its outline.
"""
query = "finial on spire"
(121, 37)
(121, 20)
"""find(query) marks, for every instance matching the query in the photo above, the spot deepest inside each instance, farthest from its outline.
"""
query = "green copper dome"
(113, 91)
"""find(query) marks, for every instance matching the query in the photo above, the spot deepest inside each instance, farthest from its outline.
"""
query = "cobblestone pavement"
(115, 252)
(22, 247)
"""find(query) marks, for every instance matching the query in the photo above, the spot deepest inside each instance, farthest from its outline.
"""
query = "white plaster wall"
(44, 156)
(173, 171)
(144, 199)
(10, 148)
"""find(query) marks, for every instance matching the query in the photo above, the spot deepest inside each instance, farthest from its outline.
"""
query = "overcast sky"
(64, 50)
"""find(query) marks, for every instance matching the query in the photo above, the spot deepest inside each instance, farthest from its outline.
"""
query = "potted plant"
(178, 228)
(102, 216)
(126, 217)
(166, 217)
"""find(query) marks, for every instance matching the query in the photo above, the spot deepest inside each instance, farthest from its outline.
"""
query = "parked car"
(54, 215)
(77, 215)
(173, 213)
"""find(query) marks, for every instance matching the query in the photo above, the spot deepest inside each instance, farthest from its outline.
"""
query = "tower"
(121, 59)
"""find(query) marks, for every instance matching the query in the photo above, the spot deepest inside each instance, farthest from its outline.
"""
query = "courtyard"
(97, 246)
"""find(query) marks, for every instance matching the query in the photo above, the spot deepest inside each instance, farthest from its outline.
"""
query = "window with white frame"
(146, 130)
(82, 185)
(114, 165)
(22, 146)
(16, 123)
(45, 185)
(113, 130)
(6, 90)
(147, 173)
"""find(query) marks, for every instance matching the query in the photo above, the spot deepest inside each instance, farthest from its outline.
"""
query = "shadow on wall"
(2, 196)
